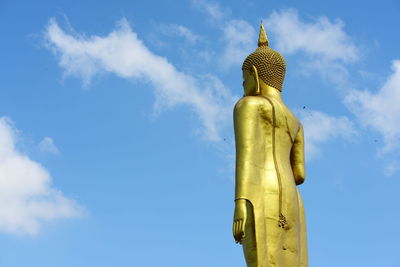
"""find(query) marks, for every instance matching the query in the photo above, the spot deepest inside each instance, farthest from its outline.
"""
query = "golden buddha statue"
(269, 218)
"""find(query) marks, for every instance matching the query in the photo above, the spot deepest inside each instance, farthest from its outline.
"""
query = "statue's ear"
(255, 73)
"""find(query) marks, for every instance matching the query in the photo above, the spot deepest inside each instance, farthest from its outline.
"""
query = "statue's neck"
(270, 91)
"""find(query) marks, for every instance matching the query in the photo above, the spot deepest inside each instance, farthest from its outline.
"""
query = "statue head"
(264, 65)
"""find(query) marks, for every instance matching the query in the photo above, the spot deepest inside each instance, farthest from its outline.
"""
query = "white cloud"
(211, 8)
(320, 127)
(182, 31)
(122, 53)
(321, 38)
(27, 198)
(47, 145)
(325, 44)
(380, 110)
(240, 38)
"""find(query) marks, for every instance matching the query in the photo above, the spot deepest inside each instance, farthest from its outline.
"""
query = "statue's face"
(249, 83)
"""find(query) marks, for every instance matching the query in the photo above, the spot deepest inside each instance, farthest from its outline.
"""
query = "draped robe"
(269, 165)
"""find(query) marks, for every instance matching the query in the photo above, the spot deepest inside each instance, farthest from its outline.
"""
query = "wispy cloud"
(321, 37)
(212, 9)
(122, 53)
(27, 198)
(182, 31)
(324, 43)
(381, 109)
(238, 36)
(47, 146)
(240, 40)
(320, 127)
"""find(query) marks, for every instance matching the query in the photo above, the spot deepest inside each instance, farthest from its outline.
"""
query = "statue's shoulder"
(251, 102)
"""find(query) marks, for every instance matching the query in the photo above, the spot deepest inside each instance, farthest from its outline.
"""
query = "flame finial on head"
(262, 38)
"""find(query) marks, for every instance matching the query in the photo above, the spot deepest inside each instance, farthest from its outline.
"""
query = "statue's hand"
(239, 220)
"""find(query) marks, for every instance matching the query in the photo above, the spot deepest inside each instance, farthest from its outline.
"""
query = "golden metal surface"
(269, 218)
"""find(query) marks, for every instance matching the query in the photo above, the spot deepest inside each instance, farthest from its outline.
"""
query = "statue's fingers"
(243, 229)
(235, 230)
(240, 231)
(239, 227)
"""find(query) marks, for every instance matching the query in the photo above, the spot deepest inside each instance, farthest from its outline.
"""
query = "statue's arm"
(246, 137)
(246, 130)
(297, 158)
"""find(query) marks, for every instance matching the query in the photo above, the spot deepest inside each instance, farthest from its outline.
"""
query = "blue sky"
(116, 139)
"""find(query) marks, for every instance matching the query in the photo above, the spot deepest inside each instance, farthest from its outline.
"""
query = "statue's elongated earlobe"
(258, 90)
